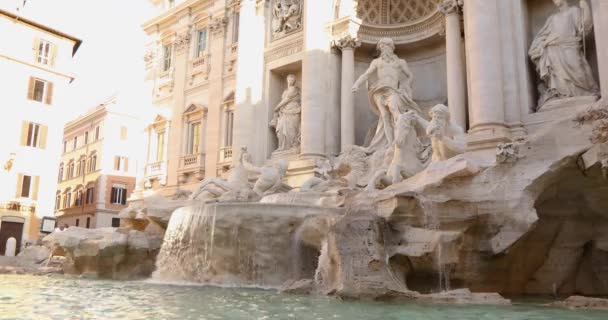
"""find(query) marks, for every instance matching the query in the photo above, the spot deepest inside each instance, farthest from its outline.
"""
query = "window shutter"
(116, 163)
(43, 136)
(24, 130)
(19, 185)
(49, 92)
(53, 54)
(113, 196)
(126, 164)
(35, 48)
(30, 89)
(35, 188)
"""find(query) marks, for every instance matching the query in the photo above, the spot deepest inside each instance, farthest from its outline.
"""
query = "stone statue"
(237, 187)
(556, 51)
(329, 174)
(390, 93)
(286, 120)
(271, 177)
(286, 16)
(447, 139)
(407, 157)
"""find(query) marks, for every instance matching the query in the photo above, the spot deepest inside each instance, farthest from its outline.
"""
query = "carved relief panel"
(286, 17)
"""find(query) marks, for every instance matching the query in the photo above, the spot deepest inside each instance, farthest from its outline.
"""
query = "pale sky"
(110, 60)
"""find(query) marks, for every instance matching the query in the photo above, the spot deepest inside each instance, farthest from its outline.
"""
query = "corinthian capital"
(347, 42)
(182, 41)
(450, 6)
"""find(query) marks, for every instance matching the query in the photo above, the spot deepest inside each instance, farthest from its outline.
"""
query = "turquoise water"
(31, 297)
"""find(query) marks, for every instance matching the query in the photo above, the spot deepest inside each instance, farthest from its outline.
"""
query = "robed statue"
(286, 119)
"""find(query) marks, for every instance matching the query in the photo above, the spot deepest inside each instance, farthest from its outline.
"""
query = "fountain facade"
(387, 192)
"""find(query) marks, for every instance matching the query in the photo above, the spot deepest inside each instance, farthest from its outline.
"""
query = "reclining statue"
(236, 188)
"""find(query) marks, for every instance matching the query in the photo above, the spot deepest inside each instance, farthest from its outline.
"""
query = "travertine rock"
(113, 253)
(580, 302)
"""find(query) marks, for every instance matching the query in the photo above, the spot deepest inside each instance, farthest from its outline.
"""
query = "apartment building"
(101, 153)
(35, 73)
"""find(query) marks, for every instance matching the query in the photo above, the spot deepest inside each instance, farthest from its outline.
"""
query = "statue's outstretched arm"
(364, 76)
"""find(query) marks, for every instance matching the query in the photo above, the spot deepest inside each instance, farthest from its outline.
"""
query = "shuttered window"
(40, 90)
(167, 57)
(201, 45)
(25, 186)
(33, 135)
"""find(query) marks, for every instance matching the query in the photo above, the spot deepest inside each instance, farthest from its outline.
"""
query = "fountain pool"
(56, 297)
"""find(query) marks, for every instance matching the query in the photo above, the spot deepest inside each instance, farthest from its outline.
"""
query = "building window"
(119, 194)
(194, 137)
(160, 146)
(229, 128)
(44, 52)
(86, 137)
(26, 182)
(65, 146)
(96, 133)
(166, 57)
(33, 134)
(60, 174)
(40, 90)
(75, 143)
(68, 200)
(88, 222)
(78, 198)
(90, 195)
(115, 222)
(70, 170)
(93, 164)
(201, 45)
(121, 163)
(123, 133)
(77, 222)
(171, 3)
(235, 28)
(58, 202)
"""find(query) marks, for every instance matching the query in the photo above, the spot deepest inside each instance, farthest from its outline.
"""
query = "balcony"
(225, 155)
(200, 65)
(192, 162)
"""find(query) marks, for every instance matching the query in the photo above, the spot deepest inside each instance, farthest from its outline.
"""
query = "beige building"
(191, 66)
(101, 153)
(35, 63)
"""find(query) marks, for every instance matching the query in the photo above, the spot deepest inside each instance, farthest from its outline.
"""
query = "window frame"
(202, 42)
(40, 56)
(118, 195)
(167, 56)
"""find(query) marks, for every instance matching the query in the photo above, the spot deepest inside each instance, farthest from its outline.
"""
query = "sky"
(110, 60)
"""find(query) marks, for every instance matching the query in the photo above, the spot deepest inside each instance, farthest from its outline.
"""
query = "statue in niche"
(390, 93)
(286, 120)
(447, 139)
(286, 16)
(556, 51)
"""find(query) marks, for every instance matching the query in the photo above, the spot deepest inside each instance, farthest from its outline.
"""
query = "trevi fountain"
(422, 159)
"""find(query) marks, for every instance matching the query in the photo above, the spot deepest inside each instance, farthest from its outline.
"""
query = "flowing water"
(39, 297)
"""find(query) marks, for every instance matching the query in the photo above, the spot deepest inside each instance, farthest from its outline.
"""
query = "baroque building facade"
(266, 76)
(36, 63)
(100, 155)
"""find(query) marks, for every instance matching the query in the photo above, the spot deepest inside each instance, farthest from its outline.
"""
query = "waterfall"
(431, 222)
(236, 244)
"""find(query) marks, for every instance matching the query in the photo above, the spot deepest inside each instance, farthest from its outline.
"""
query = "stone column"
(455, 62)
(600, 25)
(347, 108)
(174, 140)
(315, 77)
(249, 118)
(484, 55)
(213, 132)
